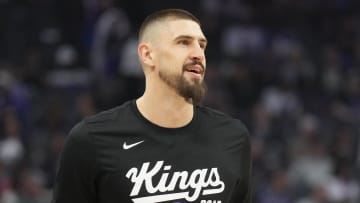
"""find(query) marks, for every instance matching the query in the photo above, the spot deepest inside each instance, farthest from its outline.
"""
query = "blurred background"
(289, 69)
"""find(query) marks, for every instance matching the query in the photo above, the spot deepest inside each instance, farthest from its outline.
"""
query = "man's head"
(172, 52)
(160, 16)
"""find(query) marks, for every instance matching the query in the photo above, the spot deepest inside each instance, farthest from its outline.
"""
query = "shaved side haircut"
(164, 15)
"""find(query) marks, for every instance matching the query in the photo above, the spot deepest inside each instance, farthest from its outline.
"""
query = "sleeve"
(75, 176)
(243, 191)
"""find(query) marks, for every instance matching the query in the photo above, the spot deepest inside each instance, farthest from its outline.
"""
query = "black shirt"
(118, 156)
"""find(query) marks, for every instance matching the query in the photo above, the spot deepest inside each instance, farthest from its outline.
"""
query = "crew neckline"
(189, 126)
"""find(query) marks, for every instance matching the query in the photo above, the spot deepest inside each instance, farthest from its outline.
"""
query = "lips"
(195, 67)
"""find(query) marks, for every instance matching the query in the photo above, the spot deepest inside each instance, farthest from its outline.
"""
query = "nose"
(197, 53)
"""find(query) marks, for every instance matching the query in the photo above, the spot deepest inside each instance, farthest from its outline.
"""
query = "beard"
(192, 91)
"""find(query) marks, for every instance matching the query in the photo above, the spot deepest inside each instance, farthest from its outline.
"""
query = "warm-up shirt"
(118, 156)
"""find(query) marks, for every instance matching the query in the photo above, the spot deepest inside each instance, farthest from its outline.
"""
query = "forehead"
(176, 27)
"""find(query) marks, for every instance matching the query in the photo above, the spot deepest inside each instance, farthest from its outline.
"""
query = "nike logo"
(126, 146)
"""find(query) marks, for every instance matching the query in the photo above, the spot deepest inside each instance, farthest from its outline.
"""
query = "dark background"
(289, 69)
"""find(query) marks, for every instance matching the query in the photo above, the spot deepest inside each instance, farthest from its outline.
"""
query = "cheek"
(171, 60)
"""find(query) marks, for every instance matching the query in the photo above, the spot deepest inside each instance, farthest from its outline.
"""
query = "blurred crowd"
(289, 69)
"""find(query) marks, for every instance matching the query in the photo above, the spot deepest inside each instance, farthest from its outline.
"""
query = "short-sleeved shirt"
(118, 156)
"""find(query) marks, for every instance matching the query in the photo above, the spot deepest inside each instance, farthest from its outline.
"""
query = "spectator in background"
(343, 187)
(332, 78)
(11, 147)
(111, 30)
(52, 153)
(7, 194)
(317, 195)
(277, 190)
(344, 144)
(31, 187)
(313, 167)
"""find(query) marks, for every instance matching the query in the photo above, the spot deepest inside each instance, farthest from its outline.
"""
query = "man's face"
(180, 58)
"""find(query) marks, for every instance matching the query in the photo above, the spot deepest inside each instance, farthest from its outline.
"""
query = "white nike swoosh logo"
(126, 146)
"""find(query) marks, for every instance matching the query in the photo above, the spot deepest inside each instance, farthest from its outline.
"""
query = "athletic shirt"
(118, 156)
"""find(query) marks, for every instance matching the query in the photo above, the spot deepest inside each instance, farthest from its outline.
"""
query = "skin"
(166, 47)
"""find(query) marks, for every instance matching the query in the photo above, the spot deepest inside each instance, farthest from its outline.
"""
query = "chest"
(145, 167)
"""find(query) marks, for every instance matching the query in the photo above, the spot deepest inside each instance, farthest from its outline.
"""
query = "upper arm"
(75, 177)
(243, 191)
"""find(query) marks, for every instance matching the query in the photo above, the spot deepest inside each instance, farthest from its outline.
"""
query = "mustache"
(193, 63)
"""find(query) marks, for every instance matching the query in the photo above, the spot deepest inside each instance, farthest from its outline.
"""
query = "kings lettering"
(190, 184)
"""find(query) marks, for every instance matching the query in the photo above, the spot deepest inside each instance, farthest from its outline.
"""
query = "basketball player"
(163, 146)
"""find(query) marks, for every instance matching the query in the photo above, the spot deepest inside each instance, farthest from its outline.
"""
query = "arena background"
(289, 69)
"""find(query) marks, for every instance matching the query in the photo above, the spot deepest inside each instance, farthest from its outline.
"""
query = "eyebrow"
(202, 39)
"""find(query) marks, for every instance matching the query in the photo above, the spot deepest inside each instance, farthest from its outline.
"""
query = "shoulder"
(224, 128)
(111, 120)
(109, 115)
(221, 123)
(102, 122)
(215, 116)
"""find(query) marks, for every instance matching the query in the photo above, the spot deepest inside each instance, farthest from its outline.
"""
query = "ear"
(145, 55)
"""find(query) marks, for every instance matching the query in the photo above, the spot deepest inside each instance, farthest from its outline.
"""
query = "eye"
(184, 42)
(203, 45)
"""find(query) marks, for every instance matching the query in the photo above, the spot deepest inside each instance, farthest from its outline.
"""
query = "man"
(162, 147)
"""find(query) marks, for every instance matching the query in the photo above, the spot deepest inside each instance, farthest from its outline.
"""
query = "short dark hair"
(163, 14)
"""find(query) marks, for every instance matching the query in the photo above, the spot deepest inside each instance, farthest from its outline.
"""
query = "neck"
(164, 107)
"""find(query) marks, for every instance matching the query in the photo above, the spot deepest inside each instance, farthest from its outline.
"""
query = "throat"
(165, 114)
(176, 121)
